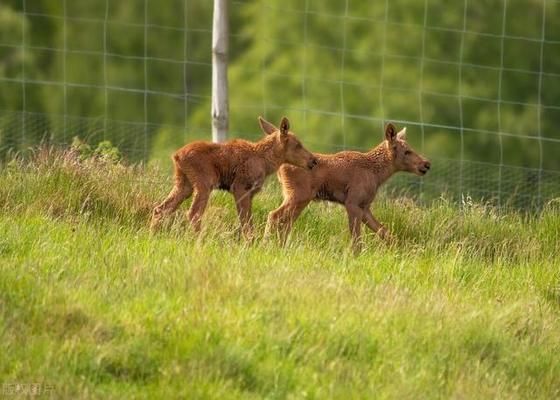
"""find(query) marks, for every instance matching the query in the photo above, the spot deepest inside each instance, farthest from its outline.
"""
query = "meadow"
(465, 304)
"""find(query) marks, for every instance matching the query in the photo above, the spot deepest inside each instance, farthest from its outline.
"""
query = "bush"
(105, 151)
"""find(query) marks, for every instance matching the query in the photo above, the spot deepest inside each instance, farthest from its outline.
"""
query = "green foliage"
(104, 151)
(107, 152)
(464, 305)
(141, 79)
(297, 50)
(83, 149)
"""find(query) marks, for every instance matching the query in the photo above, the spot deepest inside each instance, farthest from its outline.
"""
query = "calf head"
(404, 157)
(288, 145)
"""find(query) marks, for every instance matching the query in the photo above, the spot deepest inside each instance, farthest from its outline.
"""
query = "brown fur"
(350, 178)
(237, 166)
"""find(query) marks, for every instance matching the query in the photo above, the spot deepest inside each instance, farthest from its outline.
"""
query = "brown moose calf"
(237, 166)
(350, 178)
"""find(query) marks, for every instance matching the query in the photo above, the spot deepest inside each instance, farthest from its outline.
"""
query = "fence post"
(220, 102)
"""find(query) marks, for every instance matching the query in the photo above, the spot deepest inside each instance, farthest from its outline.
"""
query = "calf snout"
(312, 163)
(425, 167)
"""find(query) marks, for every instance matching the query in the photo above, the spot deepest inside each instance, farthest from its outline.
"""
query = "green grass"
(465, 305)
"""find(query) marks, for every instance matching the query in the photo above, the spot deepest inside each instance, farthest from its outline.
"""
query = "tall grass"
(464, 305)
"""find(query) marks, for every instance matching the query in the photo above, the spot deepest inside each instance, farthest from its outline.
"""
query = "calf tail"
(178, 172)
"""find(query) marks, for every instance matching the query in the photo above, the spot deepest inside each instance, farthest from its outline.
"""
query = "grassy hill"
(465, 305)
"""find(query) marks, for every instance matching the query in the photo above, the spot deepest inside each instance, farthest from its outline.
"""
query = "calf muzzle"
(425, 167)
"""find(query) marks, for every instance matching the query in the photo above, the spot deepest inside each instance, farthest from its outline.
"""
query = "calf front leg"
(274, 221)
(243, 195)
(355, 215)
(375, 225)
(281, 220)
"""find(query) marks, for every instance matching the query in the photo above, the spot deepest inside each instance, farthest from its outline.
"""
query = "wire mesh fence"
(476, 82)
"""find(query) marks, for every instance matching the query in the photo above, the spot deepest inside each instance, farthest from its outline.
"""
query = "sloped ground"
(465, 305)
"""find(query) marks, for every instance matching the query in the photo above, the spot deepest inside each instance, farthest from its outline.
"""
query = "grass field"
(466, 305)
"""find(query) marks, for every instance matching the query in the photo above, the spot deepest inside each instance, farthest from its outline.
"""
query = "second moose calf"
(350, 178)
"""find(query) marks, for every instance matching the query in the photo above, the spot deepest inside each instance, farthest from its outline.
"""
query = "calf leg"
(181, 191)
(243, 203)
(375, 225)
(281, 220)
(355, 215)
(274, 220)
(200, 200)
(293, 212)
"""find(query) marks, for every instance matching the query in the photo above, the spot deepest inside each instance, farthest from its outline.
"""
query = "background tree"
(480, 85)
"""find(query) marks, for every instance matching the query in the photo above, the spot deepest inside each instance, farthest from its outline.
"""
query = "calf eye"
(407, 152)
(298, 146)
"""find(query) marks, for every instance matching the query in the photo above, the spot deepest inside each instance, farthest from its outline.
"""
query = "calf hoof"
(270, 232)
(154, 225)
(277, 235)
(155, 222)
(387, 237)
(357, 249)
(247, 235)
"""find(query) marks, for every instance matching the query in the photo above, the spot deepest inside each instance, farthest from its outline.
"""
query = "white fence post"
(220, 102)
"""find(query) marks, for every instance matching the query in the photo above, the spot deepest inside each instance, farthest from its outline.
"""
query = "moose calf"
(237, 166)
(350, 178)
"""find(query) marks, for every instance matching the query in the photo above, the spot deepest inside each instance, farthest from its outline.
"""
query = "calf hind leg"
(181, 191)
(200, 200)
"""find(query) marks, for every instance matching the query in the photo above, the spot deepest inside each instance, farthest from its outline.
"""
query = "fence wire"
(476, 87)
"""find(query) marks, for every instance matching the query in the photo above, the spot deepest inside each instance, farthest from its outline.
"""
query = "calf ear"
(284, 126)
(402, 134)
(390, 132)
(266, 126)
